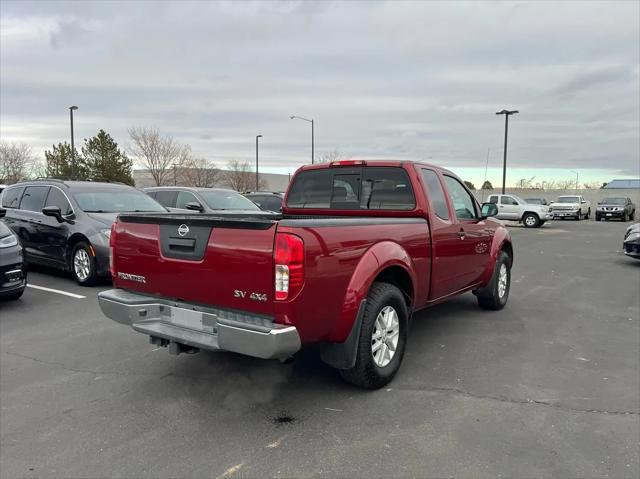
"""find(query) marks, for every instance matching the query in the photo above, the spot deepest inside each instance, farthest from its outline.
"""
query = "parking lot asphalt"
(547, 387)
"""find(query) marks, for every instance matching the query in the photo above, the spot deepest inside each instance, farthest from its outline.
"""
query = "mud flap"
(343, 355)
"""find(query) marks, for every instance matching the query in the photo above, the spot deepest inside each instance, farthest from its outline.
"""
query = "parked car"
(631, 242)
(360, 247)
(536, 201)
(615, 207)
(266, 200)
(203, 200)
(66, 224)
(511, 207)
(13, 273)
(574, 206)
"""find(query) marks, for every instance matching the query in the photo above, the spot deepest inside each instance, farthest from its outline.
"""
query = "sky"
(417, 80)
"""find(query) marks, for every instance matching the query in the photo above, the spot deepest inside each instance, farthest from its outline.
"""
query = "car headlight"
(107, 233)
(8, 241)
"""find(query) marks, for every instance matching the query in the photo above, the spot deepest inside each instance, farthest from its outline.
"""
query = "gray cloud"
(382, 79)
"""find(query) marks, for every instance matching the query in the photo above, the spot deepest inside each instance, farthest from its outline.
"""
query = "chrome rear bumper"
(201, 327)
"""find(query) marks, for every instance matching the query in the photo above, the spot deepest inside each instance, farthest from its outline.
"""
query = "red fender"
(376, 259)
(500, 238)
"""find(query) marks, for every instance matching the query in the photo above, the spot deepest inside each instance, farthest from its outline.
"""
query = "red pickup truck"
(359, 247)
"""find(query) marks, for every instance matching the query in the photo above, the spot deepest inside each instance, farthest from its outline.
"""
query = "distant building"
(622, 184)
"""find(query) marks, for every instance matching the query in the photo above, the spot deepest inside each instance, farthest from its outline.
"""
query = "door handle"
(461, 234)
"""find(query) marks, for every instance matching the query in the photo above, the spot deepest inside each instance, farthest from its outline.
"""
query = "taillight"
(112, 240)
(289, 265)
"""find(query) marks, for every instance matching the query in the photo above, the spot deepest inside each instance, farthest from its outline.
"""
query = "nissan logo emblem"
(183, 230)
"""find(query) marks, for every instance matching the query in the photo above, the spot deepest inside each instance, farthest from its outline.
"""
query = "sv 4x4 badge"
(254, 296)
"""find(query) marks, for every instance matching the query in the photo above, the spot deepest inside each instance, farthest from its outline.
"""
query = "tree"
(59, 163)
(470, 185)
(199, 172)
(487, 185)
(105, 161)
(241, 177)
(329, 156)
(158, 153)
(15, 161)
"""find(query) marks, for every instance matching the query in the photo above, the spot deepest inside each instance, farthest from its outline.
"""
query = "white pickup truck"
(574, 206)
(511, 207)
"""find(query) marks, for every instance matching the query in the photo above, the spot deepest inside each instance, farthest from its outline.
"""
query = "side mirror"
(53, 211)
(583, 202)
(2, 212)
(194, 206)
(489, 209)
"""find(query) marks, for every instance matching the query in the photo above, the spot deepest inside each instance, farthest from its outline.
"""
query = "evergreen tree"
(470, 185)
(487, 185)
(59, 162)
(105, 161)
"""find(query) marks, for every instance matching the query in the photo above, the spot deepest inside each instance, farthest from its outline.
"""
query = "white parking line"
(42, 288)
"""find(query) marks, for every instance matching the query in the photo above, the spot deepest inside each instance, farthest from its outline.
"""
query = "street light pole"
(312, 132)
(506, 114)
(73, 150)
(257, 182)
(577, 177)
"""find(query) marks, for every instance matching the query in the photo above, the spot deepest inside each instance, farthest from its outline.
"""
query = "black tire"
(588, 215)
(633, 216)
(489, 297)
(366, 373)
(531, 220)
(598, 217)
(92, 276)
(624, 217)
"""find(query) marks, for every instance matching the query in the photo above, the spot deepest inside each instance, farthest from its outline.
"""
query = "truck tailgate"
(223, 261)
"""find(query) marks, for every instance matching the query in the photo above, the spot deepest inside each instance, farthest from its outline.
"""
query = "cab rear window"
(368, 188)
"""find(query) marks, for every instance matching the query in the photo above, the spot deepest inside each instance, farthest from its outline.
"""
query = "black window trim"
(452, 214)
(43, 201)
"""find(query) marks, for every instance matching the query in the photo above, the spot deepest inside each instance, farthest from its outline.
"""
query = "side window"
(152, 194)
(185, 197)
(493, 199)
(386, 188)
(507, 200)
(57, 198)
(273, 203)
(166, 198)
(33, 198)
(436, 193)
(11, 197)
(463, 203)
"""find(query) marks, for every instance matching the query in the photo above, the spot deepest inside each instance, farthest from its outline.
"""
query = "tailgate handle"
(182, 244)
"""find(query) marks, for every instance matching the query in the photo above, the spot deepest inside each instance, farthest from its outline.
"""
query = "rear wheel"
(494, 296)
(625, 218)
(531, 220)
(83, 264)
(588, 215)
(383, 338)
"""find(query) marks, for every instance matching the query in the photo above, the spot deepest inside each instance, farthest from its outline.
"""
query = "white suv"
(573, 206)
(511, 207)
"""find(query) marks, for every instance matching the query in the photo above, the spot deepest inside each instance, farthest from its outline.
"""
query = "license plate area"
(187, 318)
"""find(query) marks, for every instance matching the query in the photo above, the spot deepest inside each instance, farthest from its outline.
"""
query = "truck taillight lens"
(289, 265)
(112, 239)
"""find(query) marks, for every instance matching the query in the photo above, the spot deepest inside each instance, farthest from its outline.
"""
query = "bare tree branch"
(15, 161)
(158, 153)
(241, 177)
(199, 172)
(329, 156)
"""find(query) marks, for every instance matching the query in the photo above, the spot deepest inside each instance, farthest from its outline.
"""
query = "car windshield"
(614, 201)
(115, 201)
(227, 200)
(568, 199)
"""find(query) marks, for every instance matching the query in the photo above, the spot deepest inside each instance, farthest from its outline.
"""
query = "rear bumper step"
(201, 327)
